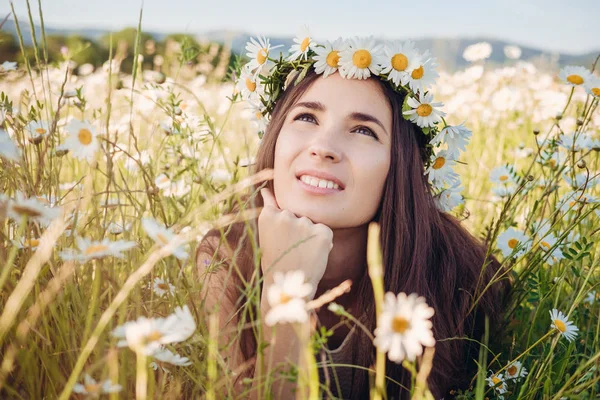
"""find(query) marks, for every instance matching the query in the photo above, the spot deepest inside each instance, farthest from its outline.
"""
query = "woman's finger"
(268, 198)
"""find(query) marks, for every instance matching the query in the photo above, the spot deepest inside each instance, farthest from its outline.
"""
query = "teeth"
(322, 183)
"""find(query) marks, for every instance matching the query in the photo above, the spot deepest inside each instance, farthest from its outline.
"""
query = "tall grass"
(177, 151)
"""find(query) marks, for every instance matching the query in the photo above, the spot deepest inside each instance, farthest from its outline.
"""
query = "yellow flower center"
(95, 249)
(258, 115)
(552, 163)
(154, 336)
(162, 238)
(251, 86)
(545, 244)
(362, 58)
(92, 387)
(399, 62)
(418, 73)
(424, 110)
(560, 325)
(496, 380)
(512, 370)
(512, 243)
(400, 324)
(40, 131)
(575, 79)
(503, 177)
(439, 163)
(85, 136)
(31, 243)
(162, 286)
(333, 58)
(573, 203)
(262, 55)
(304, 44)
(596, 91)
(284, 298)
(24, 210)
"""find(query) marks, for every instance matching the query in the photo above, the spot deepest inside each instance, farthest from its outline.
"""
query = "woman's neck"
(347, 260)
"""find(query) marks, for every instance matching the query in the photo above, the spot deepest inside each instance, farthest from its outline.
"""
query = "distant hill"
(448, 51)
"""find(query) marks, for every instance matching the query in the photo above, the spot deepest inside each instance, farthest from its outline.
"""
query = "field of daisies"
(108, 181)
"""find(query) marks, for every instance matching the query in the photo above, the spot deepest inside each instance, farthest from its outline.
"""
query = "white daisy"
(149, 335)
(404, 327)
(161, 287)
(400, 59)
(502, 175)
(162, 181)
(512, 52)
(449, 198)
(8, 66)
(581, 180)
(249, 85)
(546, 240)
(592, 86)
(592, 297)
(456, 138)
(88, 249)
(287, 298)
(575, 141)
(424, 75)
(498, 383)
(575, 75)
(37, 131)
(32, 208)
(257, 116)
(82, 141)
(359, 57)
(8, 148)
(515, 371)
(165, 355)
(24, 243)
(573, 201)
(563, 325)
(328, 57)
(163, 236)
(477, 51)
(553, 159)
(424, 112)
(440, 172)
(177, 189)
(511, 240)
(303, 43)
(258, 52)
(94, 389)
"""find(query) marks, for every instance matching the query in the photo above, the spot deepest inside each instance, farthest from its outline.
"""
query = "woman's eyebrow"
(318, 106)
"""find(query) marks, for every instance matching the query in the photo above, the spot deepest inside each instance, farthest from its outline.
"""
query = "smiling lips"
(320, 183)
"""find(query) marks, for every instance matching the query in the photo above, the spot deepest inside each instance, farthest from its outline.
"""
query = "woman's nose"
(324, 151)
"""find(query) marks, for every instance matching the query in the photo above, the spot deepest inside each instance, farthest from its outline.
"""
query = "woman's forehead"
(349, 95)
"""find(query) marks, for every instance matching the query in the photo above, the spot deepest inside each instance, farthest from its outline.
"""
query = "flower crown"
(262, 80)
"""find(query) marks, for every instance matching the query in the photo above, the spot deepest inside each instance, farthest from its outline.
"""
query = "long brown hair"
(424, 251)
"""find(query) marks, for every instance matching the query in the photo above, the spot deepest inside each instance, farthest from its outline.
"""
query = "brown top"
(339, 377)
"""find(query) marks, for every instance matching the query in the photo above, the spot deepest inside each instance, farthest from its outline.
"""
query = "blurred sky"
(555, 25)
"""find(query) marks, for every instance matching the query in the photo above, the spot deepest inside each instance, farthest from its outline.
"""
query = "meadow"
(110, 179)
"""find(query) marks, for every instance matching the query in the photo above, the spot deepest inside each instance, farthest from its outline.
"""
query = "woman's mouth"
(316, 185)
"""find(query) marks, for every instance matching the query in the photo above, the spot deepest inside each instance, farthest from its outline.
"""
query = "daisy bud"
(559, 116)
(536, 131)
(581, 164)
(36, 139)
(153, 190)
(579, 122)
(61, 152)
(119, 85)
(177, 110)
(530, 178)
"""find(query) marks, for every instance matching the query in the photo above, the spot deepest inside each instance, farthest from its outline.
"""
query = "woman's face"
(333, 152)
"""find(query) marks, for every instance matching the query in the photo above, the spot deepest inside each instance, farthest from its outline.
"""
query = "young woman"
(343, 155)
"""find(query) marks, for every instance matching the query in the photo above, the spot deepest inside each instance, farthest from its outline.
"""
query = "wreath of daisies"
(263, 79)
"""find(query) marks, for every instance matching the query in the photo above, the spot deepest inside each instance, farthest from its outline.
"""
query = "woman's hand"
(291, 243)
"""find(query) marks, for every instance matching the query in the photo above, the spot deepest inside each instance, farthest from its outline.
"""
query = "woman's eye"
(367, 131)
(302, 116)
